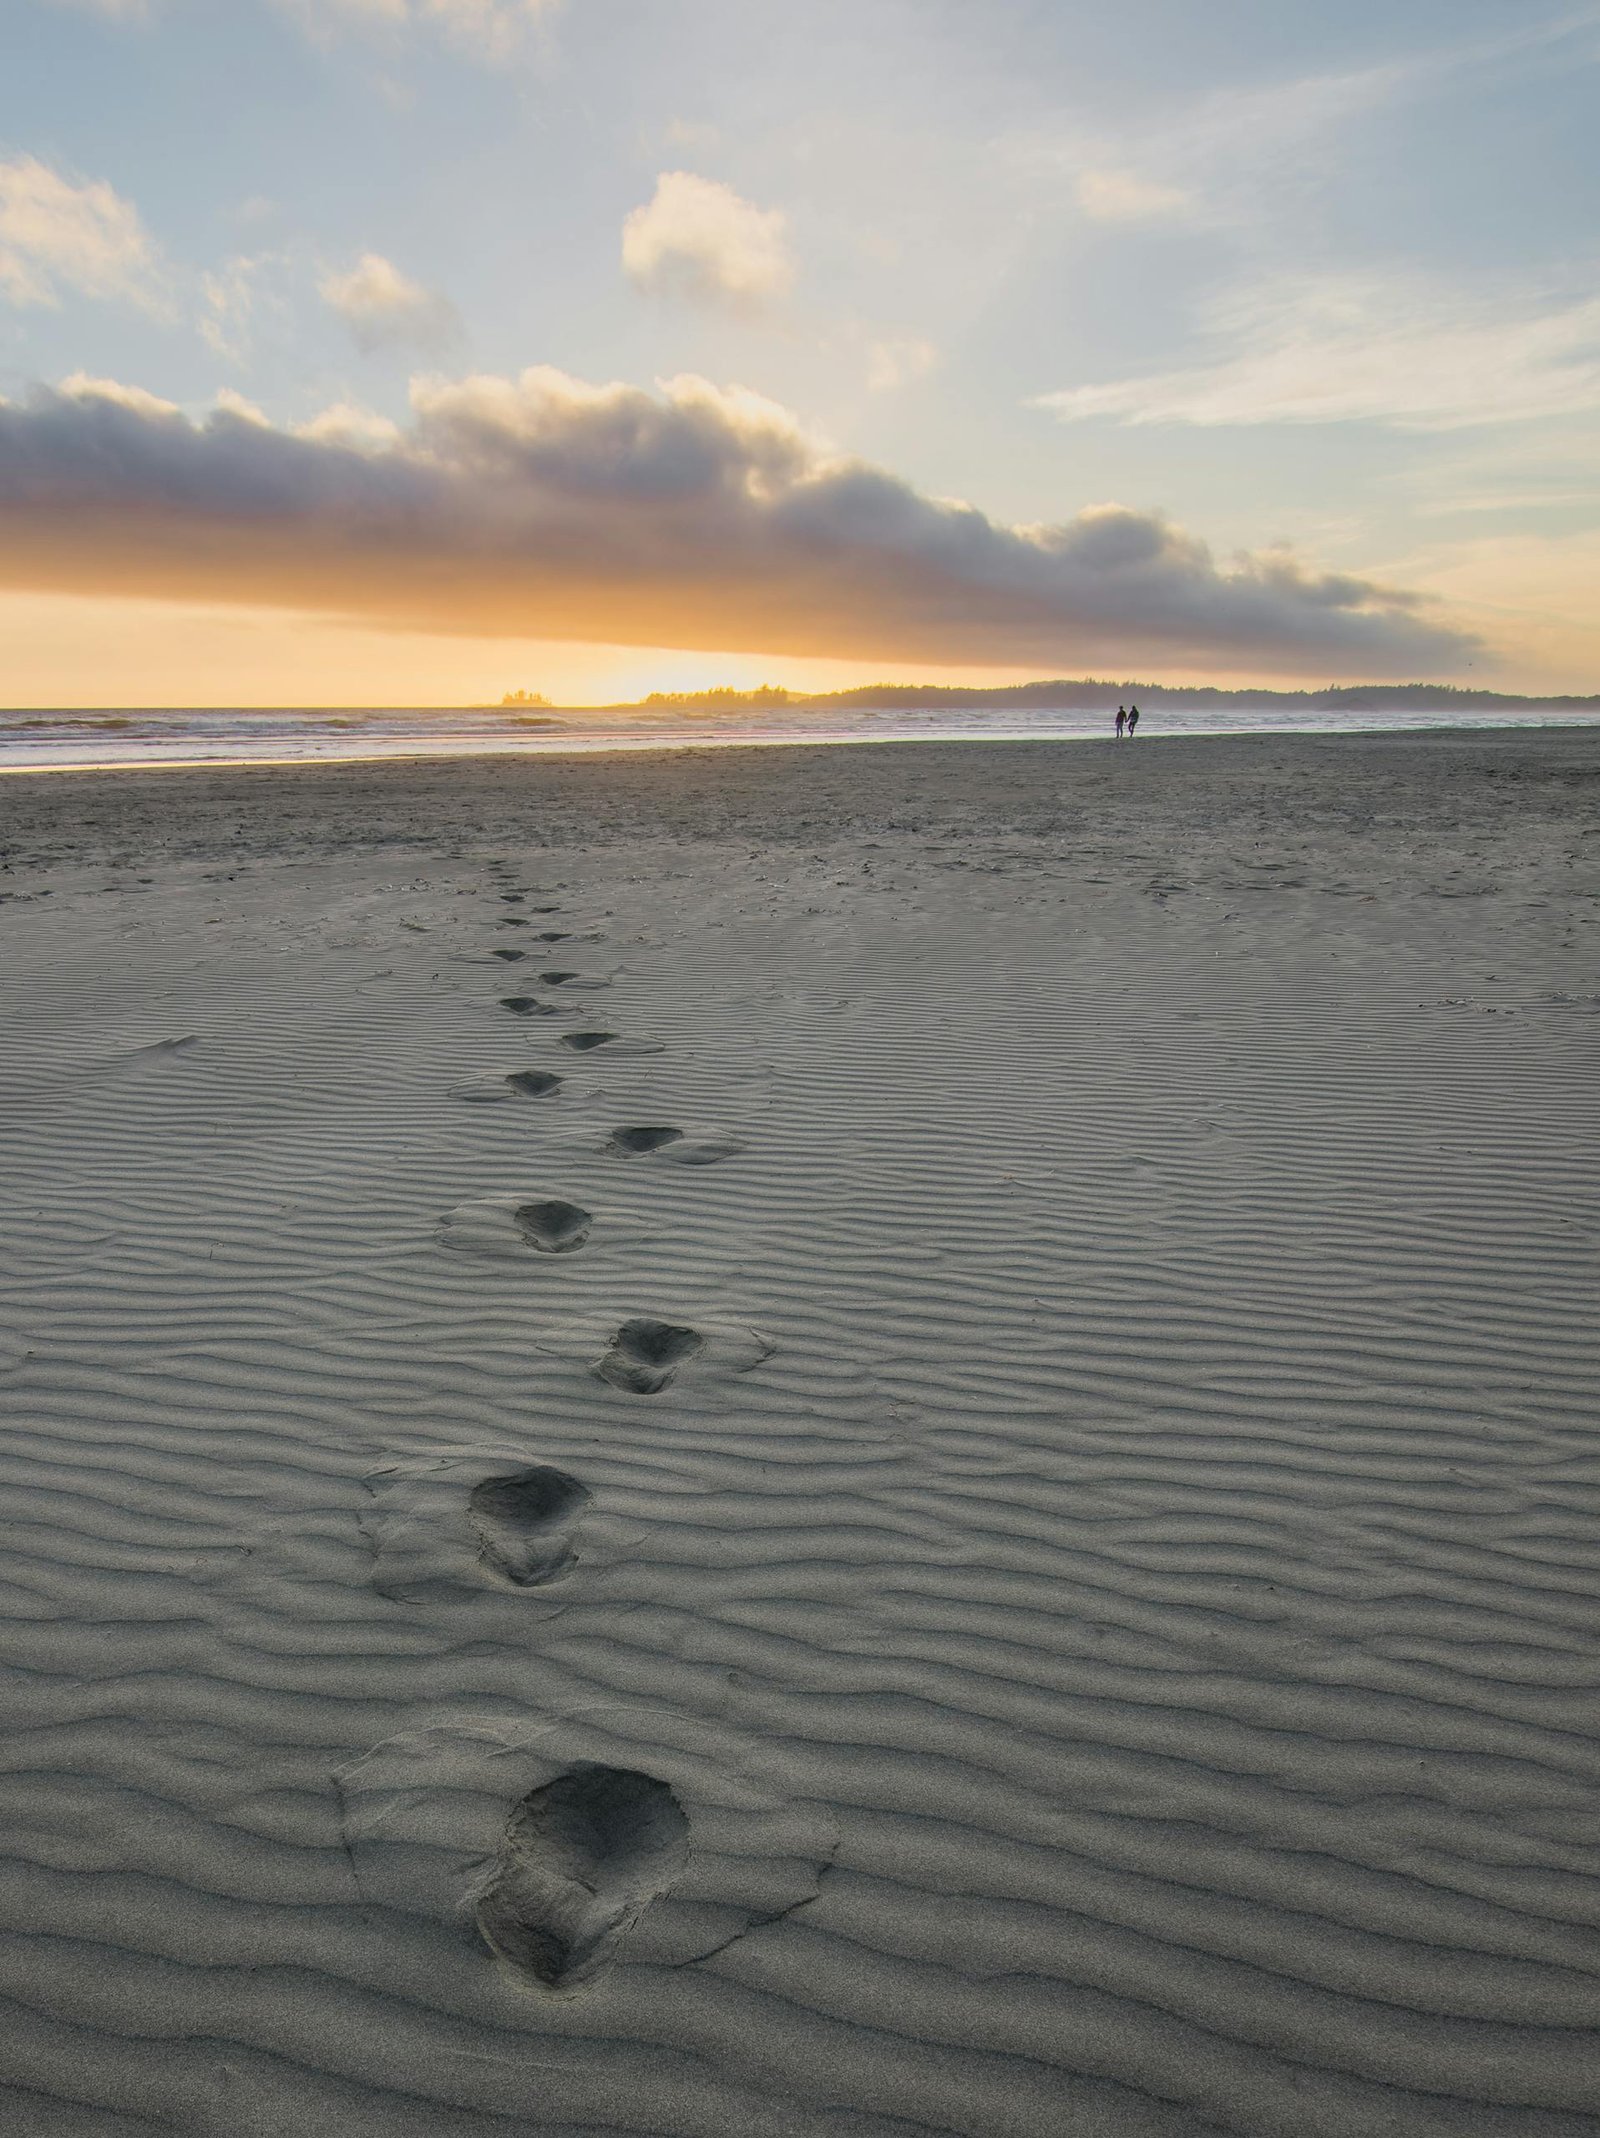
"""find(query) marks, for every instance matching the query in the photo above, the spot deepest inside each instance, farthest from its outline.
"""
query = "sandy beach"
(819, 1443)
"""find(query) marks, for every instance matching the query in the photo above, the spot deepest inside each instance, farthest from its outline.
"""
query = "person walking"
(1133, 720)
(1121, 717)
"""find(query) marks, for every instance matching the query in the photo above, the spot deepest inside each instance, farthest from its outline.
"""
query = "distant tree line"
(718, 701)
(1091, 693)
(1076, 693)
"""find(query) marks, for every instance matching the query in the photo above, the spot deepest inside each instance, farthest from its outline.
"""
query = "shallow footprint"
(585, 1042)
(581, 1860)
(524, 1520)
(510, 1226)
(644, 1356)
(674, 1144)
(521, 1083)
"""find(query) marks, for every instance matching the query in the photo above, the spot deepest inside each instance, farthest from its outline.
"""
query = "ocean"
(105, 740)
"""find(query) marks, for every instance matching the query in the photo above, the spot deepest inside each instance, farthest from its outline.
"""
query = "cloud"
(1226, 159)
(696, 238)
(1235, 157)
(691, 133)
(893, 364)
(542, 506)
(363, 430)
(231, 403)
(232, 296)
(80, 386)
(492, 31)
(112, 10)
(58, 235)
(385, 309)
(1112, 196)
(1342, 349)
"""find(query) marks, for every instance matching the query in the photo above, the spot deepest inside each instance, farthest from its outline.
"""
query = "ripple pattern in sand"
(1127, 1646)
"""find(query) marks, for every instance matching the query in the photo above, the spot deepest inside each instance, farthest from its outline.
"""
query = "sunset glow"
(556, 360)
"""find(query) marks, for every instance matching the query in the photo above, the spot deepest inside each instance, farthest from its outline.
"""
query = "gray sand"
(1031, 1570)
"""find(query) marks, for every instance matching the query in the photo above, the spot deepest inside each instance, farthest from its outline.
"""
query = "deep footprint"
(524, 1519)
(644, 1356)
(528, 1006)
(581, 1860)
(556, 1228)
(632, 1140)
(556, 979)
(586, 1042)
(534, 1083)
(510, 956)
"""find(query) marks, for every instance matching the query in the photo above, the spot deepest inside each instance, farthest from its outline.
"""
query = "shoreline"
(637, 744)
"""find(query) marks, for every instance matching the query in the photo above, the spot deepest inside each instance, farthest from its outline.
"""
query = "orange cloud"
(544, 507)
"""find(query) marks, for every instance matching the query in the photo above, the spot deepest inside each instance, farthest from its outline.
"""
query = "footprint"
(529, 1006)
(586, 1041)
(534, 1083)
(556, 979)
(523, 1520)
(141, 1058)
(556, 1228)
(674, 1144)
(514, 920)
(445, 1526)
(632, 1140)
(507, 1226)
(554, 935)
(521, 1083)
(510, 956)
(579, 1834)
(513, 898)
(580, 1861)
(644, 1356)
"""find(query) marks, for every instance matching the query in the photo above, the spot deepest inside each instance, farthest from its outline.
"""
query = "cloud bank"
(695, 517)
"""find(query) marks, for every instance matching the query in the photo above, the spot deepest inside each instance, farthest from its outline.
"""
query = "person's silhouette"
(1121, 717)
(1133, 718)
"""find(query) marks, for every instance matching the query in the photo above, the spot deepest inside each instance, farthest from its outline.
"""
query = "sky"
(414, 351)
